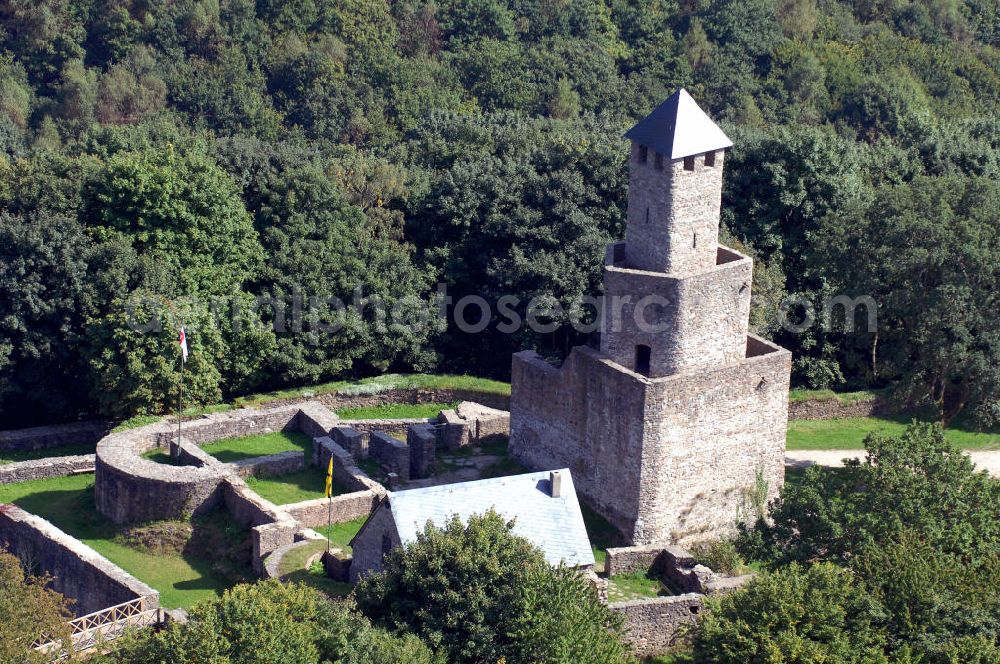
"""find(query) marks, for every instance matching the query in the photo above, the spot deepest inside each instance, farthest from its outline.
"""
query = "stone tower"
(672, 426)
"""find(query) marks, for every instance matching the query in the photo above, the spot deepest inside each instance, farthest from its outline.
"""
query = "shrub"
(482, 594)
(720, 556)
(796, 615)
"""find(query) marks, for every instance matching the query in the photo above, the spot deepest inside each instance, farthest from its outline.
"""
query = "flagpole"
(329, 521)
(180, 391)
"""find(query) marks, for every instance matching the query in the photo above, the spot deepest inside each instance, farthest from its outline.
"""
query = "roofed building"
(543, 506)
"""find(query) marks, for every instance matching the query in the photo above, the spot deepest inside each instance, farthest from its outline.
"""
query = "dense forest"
(228, 162)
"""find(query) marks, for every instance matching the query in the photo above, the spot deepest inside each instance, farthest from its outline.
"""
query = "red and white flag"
(184, 345)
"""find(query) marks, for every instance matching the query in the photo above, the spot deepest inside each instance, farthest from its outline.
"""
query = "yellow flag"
(329, 478)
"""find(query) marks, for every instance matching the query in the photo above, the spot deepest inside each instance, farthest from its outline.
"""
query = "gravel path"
(990, 460)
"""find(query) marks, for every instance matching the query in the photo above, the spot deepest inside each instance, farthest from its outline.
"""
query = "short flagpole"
(329, 520)
(180, 388)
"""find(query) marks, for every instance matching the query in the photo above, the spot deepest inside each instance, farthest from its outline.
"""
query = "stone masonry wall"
(130, 488)
(376, 537)
(707, 436)
(42, 468)
(706, 318)
(667, 459)
(586, 415)
(828, 409)
(345, 507)
(654, 626)
(422, 440)
(269, 466)
(40, 438)
(80, 573)
(673, 214)
(393, 454)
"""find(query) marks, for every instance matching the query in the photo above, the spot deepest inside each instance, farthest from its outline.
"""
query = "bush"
(270, 622)
(482, 594)
(796, 615)
(720, 556)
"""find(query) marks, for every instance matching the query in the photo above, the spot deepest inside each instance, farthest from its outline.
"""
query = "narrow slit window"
(658, 161)
(694, 241)
(643, 153)
(647, 214)
(688, 163)
(710, 159)
(642, 354)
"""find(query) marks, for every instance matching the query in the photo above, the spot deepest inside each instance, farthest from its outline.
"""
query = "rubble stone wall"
(79, 572)
(39, 469)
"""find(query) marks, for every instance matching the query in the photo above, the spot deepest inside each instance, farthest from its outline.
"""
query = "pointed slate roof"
(678, 128)
(553, 524)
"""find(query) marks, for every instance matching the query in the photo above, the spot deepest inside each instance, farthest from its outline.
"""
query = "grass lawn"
(849, 434)
(248, 447)
(293, 568)
(341, 534)
(394, 411)
(636, 585)
(13, 456)
(68, 502)
(306, 484)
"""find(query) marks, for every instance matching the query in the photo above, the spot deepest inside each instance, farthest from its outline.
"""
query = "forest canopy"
(193, 156)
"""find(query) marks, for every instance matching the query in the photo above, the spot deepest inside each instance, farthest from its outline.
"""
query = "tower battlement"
(668, 427)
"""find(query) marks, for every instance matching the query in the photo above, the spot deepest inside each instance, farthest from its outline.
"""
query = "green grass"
(635, 585)
(394, 411)
(307, 484)
(248, 447)
(341, 534)
(293, 568)
(68, 502)
(370, 466)
(849, 434)
(14, 456)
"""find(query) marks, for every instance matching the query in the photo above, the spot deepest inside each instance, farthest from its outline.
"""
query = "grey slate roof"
(555, 525)
(678, 128)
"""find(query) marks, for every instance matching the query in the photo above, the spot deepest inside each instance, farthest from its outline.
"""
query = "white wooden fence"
(101, 627)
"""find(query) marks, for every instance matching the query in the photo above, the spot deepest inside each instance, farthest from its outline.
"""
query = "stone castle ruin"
(679, 420)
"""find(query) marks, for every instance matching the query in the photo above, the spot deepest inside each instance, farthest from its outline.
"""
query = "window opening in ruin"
(647, 214)
(642, 354)
(688, 163)
(643, 151)
(710, 159)
(658, 161)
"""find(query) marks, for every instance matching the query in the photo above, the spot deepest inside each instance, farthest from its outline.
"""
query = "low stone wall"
(130, 488)
(42, 468)
(79, 572)
(393, 454)
(345, 470)
(656, 625)
(189, 454)
(351, 439)
(422, 440)
(828, 409)
(345, 507)
(420, 395)
(627, 559)
(472, 423)
(270, 526)
(396, 427)
(271, 465)
(40, 438)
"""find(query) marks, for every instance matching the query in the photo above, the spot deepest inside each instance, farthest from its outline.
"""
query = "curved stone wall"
(130, 488)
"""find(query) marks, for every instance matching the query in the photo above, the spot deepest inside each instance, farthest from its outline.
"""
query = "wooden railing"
(101, 627)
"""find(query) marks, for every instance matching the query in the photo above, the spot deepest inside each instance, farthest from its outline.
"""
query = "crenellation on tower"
(667, 427)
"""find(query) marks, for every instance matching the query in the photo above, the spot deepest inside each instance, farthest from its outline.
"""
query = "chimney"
(555, 483)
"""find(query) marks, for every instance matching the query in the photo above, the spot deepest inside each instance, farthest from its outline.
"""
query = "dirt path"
(989, 460)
